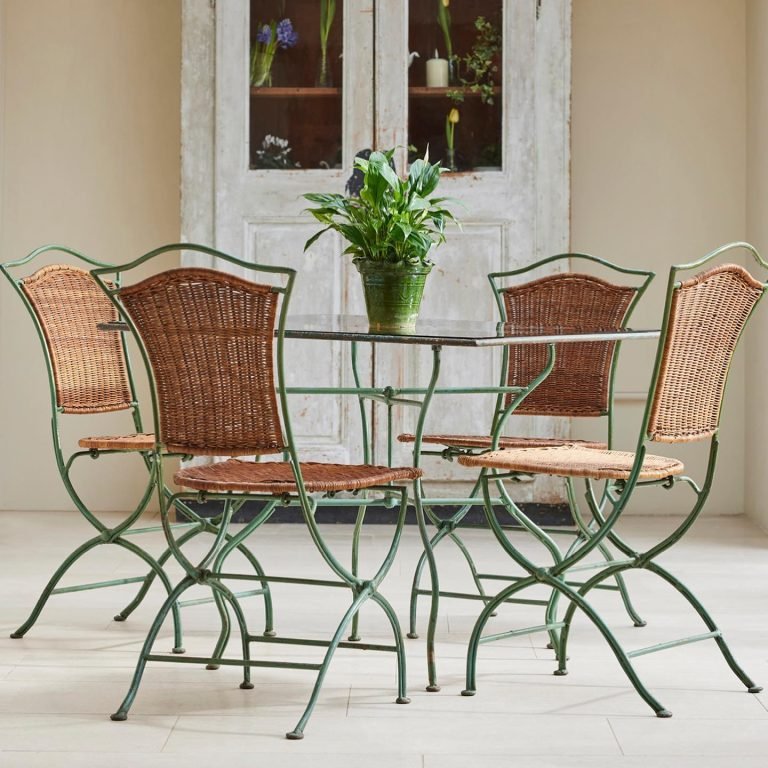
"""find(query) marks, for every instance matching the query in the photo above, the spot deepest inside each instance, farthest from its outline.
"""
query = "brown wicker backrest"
(706, 317)
(209, 337)
(579, 382)
(87, 365)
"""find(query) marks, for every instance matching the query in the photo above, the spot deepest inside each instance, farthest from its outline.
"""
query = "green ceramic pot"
(392, 294)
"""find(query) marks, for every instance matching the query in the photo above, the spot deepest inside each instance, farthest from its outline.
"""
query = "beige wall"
(659, 171)
(757, 232)
(90, 158)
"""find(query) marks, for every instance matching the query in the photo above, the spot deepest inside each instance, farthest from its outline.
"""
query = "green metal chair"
(704, 318)
(579, 386)
(213, 344)
(89, 372)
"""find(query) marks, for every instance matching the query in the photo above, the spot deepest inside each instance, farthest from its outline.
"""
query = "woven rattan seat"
(136, 442)
(277, 476)
(484, 441)
(575, 461)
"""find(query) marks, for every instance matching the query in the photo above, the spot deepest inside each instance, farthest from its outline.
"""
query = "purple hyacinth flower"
(287, 36)
(264, 35)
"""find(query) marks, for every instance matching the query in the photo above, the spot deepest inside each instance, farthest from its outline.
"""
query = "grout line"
(615, 736)
(170, 733)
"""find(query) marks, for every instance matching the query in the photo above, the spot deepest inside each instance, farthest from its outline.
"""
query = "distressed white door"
(509, 217)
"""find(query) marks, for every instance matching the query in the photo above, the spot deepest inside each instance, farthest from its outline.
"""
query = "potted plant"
(391, 229)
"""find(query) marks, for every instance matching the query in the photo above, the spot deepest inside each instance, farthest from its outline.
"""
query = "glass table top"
(459, 333)
(452, 333)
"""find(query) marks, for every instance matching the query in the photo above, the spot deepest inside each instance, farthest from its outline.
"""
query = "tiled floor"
(59, 684)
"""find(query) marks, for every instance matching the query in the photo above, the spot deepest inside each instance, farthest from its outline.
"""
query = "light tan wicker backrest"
(209, 337)
(706, 318)
(88, 365)
(579, 383)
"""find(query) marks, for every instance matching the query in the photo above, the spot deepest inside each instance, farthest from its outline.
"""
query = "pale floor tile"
(59, 683)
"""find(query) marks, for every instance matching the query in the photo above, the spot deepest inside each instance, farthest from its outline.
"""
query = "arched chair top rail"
(52, 248)
(197, 248)
(737, 245)
(492, 276)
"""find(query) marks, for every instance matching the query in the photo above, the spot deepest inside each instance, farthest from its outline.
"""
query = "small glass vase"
(261, 68)
(450, 159)
(453, 71)
(324, 77)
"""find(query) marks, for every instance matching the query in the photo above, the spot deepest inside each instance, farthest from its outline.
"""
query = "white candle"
(437, 73)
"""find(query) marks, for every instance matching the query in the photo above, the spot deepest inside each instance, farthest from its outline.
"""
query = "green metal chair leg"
(482, 619)
(354, 635)
(298, 731)
(170, 601)
(218, 587)
(413, 634)
(432, 685)
(707, 619)
(637, 620)
(578, 601)
(402, 693)
(149, 580)
(52, 582)
(224, 634)
(166, 582)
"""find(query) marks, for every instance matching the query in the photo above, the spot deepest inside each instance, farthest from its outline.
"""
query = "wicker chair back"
(209, 337)
(579, 384)
(707, 315)
(87, 365)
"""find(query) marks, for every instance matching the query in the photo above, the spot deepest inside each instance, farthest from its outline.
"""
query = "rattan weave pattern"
(276, 477)
(88, 365)
(575, 461)
(566, 302)
(209, 337)
(135, 442)
(479, 441)
(707, 315)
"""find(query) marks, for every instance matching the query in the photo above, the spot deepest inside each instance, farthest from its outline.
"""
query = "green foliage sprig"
(480, 62)
(394, 221)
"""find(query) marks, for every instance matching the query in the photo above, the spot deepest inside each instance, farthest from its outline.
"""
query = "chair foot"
(410, 635)
(468, 692)
(560, 672)
(755, 689)
(402, 700)
(495, 613)
(119, 716)
(246, 686)
(641, 623)
(270, 633)
(550, 646)
(17, 635)
(178, 649)
(120, 617)
(354, 638)
(433, 688)
(212, 666)
(663, 713)
(294, 735)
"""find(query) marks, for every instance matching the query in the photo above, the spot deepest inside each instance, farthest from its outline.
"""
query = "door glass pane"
(295, 84)
(455, 82)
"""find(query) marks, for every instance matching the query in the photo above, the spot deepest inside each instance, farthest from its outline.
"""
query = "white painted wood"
(510, 217)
